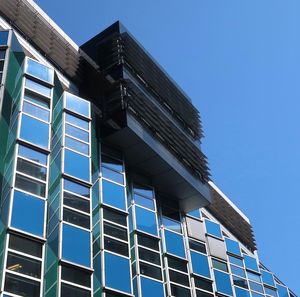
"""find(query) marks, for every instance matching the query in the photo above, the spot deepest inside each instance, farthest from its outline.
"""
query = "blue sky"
(239, 61)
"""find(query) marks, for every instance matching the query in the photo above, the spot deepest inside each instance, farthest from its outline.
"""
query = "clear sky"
(239, 61)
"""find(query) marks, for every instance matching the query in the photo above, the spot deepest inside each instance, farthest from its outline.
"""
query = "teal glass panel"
(174, 244)
(117, 273)
(151, 288)
(251, 263)
(233, 246)
(77, 105)
(77, 165)
(28, 213)
(267, 278)
(76, 245)
(34, 131)
(39, 70)
(200, 264)
(145, 220)
(213, 228)
(282, 291)
(241, 292)
(113, 194)
(223, 283)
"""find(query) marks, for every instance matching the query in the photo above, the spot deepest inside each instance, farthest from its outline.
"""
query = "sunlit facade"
(104, 190)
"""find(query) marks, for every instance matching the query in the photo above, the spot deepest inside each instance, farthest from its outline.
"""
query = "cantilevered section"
(148, 115)
(231, 217)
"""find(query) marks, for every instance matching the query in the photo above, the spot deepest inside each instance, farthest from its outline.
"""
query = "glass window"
(282, 291)
(219, 265)
(240, 282)
(38, 87)
(179, 278)
(115, 217)
(67, 291)
(30, 185)
(31, 169)
(203, 294)
(236, 261)
(28, 213)
(23, 265)
(77, 121)
(253, 294)
(77, 105)
(213, 228)
(195, 213)
(174, 244)
(76, 188)
(25, 245)
(21, 286)
(267, 278)
(177, 264)
(32, 155)
(180, 291)
(77, 165)
(77, 133)
(76, 276)
(117, 273)
(271, 292)
(34, 131)
(76, 202)
(171, 224)
(113, 194)
(200, 264)
(115, 231)
(37, 99)
(143, 201)
(254, 276)
(149, 256)
(197, 246)
(113, 175)
(203, 284)
(112, 163)
(145, 220)
(151, 288)
(250, 263)
(76, 218)
(256, 287)
(39, 70)
(241, 292)
(77, 145)
(76, 245)
(2, 54)
(150, 270)
(36, 111)
(233, 246)
(223, 283)
(149, 242)
(237, 271)
(3, 37)
(116, 246)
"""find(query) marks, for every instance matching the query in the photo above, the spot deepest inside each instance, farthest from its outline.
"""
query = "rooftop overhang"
(147, 156)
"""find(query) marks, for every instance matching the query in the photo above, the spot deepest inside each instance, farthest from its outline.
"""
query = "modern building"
(104, 188)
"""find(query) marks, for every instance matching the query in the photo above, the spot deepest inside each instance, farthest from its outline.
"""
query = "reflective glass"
(23, 265)
(203, 284)
(115, 231)
(195, 213)
(241, 292)
(36, 111)
(77, 133)
(77, 121)
(37, 99)
(179, 278)
(197, 246)
(116, 246)
(28, 213)
(2, 54)
(113, 194)
(68, 291)
(151, 288)
(219, 265)
(34, 131)
(270, 292)
(236, 261)
(282, 291)
(177, 264)
(115, 217)
(149, 242)
(213, 228)
(117, 273)
(200, 264)
(267, 278)
(76, 188)
(21, 286)
(174, 244)
(223, 283)
(143, 201)
(77, 165)
(144, 191)
(180, 291)
(77, 105)
(254, 276)
(3, 37)
(233, 246)
(76, 218)
(33, 155)
(150, 270)
(145, 220)
(39, 70)
(203, 294)
(76, 276)
(38, 87)
(171, 224)
(112, 163)
(76, 202)
(113, 175)
(237, 271)
(31, 169)
(30, 185)
(253, 294)
(149, 256)
(251, 263)
(256, 287)
(25, 245)
(76, 245)
(77, 145)
(240, 282)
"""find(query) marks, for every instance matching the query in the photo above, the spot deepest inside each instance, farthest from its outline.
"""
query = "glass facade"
(79, 218)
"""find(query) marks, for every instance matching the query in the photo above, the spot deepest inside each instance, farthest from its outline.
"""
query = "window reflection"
(213, 228)
(113, 194)
(200, 264)
(223, 283)
(39, 70)
(38, 87)
(145, 220)
(77, 105)
(151, 288)
(174, 244)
